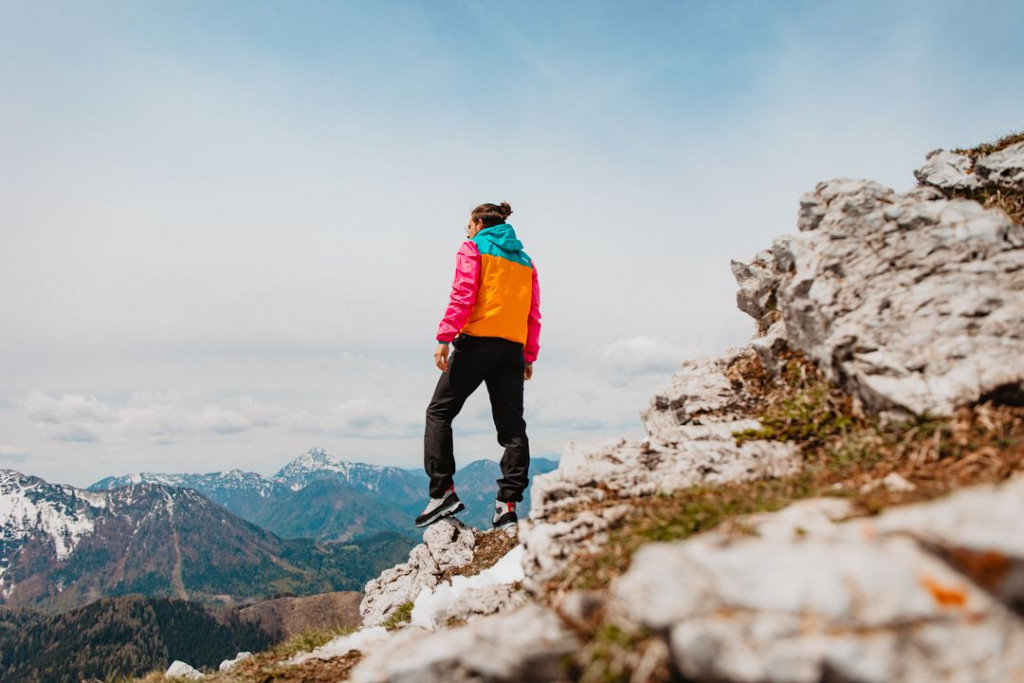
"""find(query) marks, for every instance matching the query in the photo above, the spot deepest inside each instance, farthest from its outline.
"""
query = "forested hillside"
(119, 637)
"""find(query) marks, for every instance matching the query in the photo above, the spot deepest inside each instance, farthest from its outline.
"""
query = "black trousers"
(498, 363)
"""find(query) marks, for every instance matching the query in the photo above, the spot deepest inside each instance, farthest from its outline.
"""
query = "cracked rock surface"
(810, 600)
(446, 544)
(525, 644)
(691, 442)
(912, 302)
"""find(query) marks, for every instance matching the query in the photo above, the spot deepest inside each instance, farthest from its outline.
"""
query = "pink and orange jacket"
(495, 292)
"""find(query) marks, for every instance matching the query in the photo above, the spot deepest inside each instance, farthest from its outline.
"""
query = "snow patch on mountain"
(30, 506)
(316, 464)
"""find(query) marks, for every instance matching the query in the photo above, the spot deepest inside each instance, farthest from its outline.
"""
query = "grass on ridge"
(1010, 201)
(841, 451)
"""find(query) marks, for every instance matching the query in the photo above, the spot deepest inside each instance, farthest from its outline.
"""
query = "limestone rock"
(761, 610)
(691, 426)
(229, 664)
(549, 546)
(913, 303)
(465, 598)
(179, 669)
(699, 391)
(947, 170)
(484, 601)
(916, 593)
(1004, 168)
(976, 530)
(756, 295)
(450, 543)
(447, 543)
(527, 644)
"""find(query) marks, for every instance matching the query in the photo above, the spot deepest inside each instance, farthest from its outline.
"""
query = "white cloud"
(64, 408)
(626, 358)
(360, 418)
(9, 453)
(169, 417)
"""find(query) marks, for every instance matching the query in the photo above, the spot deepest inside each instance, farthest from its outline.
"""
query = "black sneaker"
(504, 515)
(438, 508)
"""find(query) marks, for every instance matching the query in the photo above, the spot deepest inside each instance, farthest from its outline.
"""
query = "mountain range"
(61, 547)
(317, 525)
(316, 496)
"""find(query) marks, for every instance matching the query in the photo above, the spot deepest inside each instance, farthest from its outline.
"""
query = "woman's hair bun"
(491, 214)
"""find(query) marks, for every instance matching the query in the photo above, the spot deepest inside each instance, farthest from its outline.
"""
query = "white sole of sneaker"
(441, 513)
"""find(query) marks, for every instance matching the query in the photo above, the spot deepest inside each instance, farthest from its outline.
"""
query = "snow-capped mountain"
(52, 515)
(232, 480)
(61, 547)
(316, 464)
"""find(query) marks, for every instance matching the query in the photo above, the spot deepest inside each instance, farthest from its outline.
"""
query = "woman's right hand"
(441, 357)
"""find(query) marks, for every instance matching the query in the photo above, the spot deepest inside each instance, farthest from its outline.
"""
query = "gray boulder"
(947, 170)
(913, 302)
(180, 669)
(447, 544)
(525, 645)
(866, 600)
(1004, 168)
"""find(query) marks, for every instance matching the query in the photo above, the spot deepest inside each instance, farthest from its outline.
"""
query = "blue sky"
(227, 229)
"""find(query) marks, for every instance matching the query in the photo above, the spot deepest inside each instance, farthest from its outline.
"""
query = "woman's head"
(491, 214)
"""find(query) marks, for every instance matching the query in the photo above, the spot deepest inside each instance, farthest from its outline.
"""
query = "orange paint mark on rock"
(947, 596)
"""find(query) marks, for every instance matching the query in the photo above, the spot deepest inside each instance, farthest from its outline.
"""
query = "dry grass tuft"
(986, 148)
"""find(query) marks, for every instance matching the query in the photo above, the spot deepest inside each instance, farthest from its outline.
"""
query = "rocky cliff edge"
(839, 500)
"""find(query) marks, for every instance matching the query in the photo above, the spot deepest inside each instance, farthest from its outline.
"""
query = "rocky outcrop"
(691, 441)
(953, 171)
(912, 302)
(181, 670)
(447, 544)
(526, 644)
(810, 600)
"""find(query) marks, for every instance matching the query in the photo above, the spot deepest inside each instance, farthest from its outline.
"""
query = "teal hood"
(502, 236)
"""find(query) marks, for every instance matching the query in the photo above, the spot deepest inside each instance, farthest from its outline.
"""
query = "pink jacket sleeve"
(464, 289)
(532, 347)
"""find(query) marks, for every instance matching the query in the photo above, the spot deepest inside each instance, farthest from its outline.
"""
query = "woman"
(493, 321)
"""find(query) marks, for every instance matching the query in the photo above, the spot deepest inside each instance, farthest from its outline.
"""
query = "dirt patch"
(491, 546)
(262, 670)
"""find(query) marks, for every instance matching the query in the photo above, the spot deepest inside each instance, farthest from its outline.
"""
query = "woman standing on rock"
(493, 321)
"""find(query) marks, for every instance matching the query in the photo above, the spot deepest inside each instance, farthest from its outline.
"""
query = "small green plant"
(809, 409)
(400, 617)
